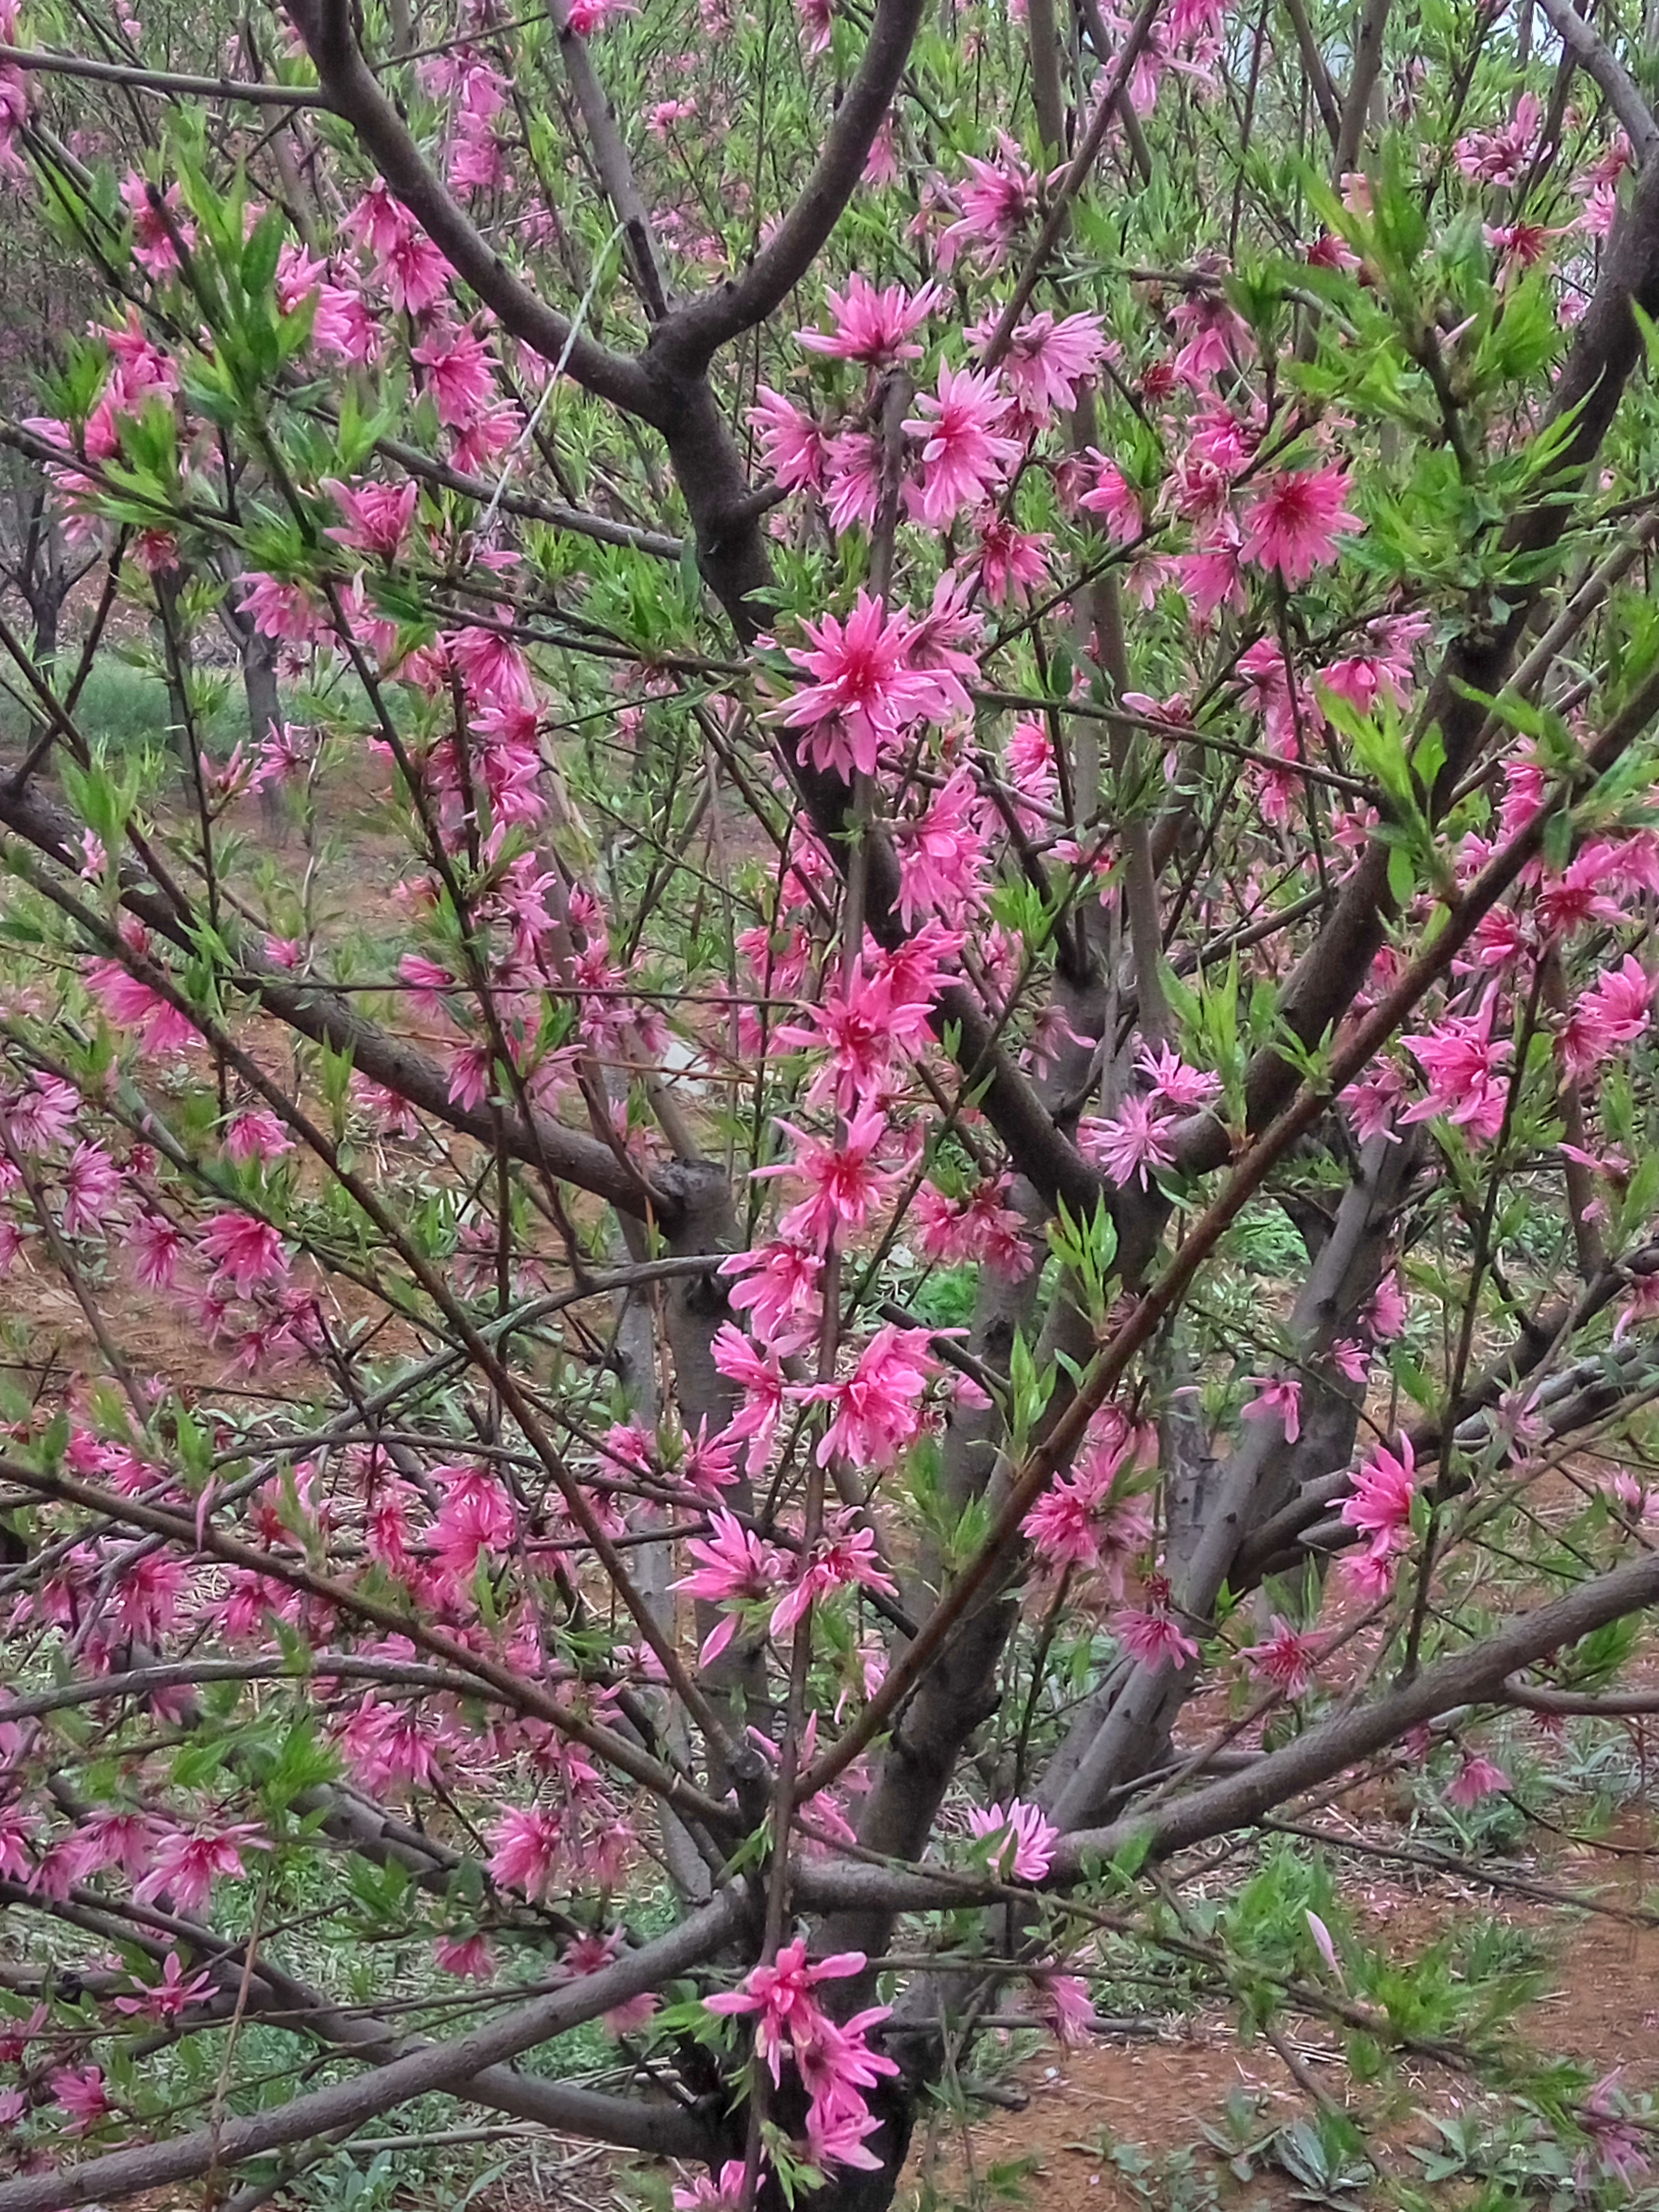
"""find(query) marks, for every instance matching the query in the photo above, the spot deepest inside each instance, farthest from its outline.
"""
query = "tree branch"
(689, 338)
(435, 2067)
(1596, 56)
(326, 26)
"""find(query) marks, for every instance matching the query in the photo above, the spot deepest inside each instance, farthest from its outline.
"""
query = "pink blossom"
(761, 1380)
(377, 516)
(166, 1999)
(781, 1996)
(1011, 563)
(1112, 497)
(1620, 2143)
(528, 1843)
(256, 1134)
(942, 853)
(42, 1114)
(1278, 1398)
(1379, 1505)
(245, 1251)
(963, 454)
(1294, 521)
(1150, 1634)
(1286, 1660)
(157, 1244)
(723, 2194)
(867, 691)
(1047, 361)
(130, 1003)
(471, 1957)
(277, 609)
(1065, 1998)
(791, 446)
(91, 1191)
(843, 1556)
(1477, 1778)
(845, 1184)
(876, 1407)
(1128, 1143)
(460, 374)
(997, 200)
(1181, 1089)
(184, 1864)
(1462, 1059)
(735, 1568)
(778, 1286)
(872, 327)
(1023, 1840)
(83, 2093)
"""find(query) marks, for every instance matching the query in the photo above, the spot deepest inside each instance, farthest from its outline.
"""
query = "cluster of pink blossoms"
(834, 2061)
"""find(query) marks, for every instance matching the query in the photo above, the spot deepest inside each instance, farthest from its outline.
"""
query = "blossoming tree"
(984, 1213)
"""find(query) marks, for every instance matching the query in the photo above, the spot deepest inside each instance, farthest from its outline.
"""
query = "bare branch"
(48, 63)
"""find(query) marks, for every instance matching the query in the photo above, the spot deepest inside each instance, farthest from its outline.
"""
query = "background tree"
(1009, 1084)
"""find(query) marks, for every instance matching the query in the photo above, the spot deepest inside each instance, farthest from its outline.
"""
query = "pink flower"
(1047, 361)
(1477, 1778)
(736, 1568)
(92, 1190)
(1462, 1059)
(941, 854)
(460, 374)
(843, 1556)
(529, 1842)
(791, 446)
(704, 2195)
(377, 516)
(130, 1003)
(1011, 563)
(245, 1251)
(1380, 1505)
(1181, 1089)
(1023, 1840)
(1277, 1399)
(1618, 2143)
(1066, 1999)
(471, 1957)
(761, 1380)
(1616, 1011)
(1127, 1143)
(1294, 521)
(872, 326)
(876, 1407)
(781, 1996)
(185, 1865)
(778, 1286)
(963, 455)
(867, 691)
(156, 1245)
(1111, 497)
(1286, 1660)
(415, 273)
(845, 1182)
(1150, 1634)
(82, 2093)
(166, 1999)
(256, 1134)
(284, 611)
(996, 201)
